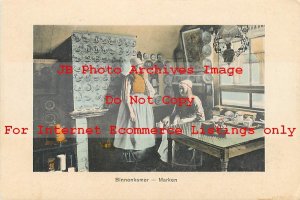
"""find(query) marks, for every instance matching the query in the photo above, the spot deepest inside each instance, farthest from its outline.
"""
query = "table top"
(229, 140)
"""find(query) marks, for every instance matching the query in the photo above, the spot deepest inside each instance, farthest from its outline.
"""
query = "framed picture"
(192, 46)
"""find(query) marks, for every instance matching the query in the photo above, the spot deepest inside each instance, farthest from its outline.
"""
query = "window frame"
(250, 89)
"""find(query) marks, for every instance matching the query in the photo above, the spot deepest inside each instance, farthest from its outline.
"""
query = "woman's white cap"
(187, 83)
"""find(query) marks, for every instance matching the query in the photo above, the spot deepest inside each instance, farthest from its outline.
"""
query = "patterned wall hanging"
(98, 50)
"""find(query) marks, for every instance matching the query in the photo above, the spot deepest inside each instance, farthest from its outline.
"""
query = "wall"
(150, 39)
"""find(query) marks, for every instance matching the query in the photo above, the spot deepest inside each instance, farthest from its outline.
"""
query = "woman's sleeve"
(149, 89)
(199, 110)
(127, 89)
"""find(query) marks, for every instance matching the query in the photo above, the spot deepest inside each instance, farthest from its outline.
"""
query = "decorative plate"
(133, 44)
(96, 39)
(159, 64)
(145, 56)
(206, 50)
(207, 78)
(103, 40)
(86, 37)
(148, 63)
(76, 37)
(49, 105)
(159, 57)
(50, 118)
(207, 62)
(133, 53)
(158, 100)
(77, 68)
(77, 87)
(119, 41)
(206, 37)
(153, 57)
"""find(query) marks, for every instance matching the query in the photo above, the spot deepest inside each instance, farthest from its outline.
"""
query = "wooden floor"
(108, 160)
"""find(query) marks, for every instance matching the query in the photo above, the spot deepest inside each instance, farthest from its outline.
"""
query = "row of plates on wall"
(169, 80)
(157, 59)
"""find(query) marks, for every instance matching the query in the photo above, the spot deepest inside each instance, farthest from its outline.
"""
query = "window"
(247, 89)
(235, 98)
(258, 100)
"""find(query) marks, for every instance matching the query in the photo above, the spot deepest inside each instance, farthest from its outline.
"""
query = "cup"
(248, 122)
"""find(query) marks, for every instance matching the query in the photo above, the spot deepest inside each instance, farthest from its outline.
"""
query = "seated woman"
(134, 115)
(181, 114)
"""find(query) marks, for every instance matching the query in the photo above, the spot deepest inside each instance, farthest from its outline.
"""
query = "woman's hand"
(186, 120)
(166, 121)
(132, 116)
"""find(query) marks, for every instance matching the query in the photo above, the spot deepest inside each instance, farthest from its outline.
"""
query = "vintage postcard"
(107, 100)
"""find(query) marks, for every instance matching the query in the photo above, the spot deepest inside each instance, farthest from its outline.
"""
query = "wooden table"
(223, 148)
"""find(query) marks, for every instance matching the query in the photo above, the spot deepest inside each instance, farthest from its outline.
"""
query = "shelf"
(56, 147)
(87, 114)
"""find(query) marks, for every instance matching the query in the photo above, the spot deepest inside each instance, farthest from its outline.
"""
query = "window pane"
(255, 74)
(244, 78)
(258, 100)
(226, 80)
(235, 99)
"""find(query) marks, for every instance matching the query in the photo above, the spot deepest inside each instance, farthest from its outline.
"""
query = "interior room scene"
(204, 81)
